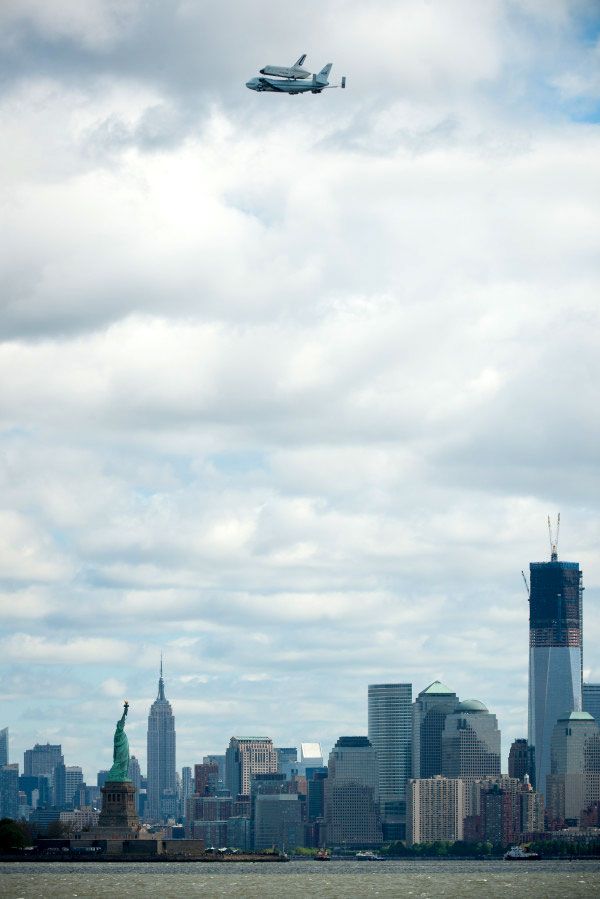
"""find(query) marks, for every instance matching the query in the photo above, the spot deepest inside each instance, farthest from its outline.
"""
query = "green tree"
(11, 835)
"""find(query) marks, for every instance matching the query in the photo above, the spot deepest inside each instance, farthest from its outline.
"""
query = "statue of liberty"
(120, 766)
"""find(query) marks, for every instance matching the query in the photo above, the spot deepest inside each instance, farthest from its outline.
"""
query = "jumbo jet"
(293, 86)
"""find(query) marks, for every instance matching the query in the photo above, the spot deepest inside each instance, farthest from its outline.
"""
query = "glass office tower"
(555, 660)
(390, 733)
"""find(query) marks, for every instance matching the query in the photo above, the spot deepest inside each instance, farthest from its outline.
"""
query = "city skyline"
(290, 387)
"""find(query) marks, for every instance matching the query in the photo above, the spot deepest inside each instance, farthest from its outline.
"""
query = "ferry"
(521, 854)
(365, 855)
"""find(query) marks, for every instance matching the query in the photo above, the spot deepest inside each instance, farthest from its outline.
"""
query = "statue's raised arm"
(120, 766)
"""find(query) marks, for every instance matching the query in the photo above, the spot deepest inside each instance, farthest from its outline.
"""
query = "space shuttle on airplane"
(295, 71)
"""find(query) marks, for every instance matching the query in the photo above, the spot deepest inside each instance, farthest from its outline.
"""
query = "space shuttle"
(293, 72)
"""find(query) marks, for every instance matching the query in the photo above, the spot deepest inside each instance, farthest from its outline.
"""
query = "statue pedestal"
(118, 807)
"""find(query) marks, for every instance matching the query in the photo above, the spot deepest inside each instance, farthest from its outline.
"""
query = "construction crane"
(554, 540)
(526, 584)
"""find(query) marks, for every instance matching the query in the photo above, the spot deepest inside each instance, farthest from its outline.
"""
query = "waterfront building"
(390, 733)
(574, 779)
(9, 791)
(435, 810)
(278, 821)
(239, 834)
(518, 759)
(502, 811)
(42, 760)
(429, 716)
(352, 793)
(591, 700)
(3, 747)
(470, 741)
(245, 757)
(162, 769)
(555, 660)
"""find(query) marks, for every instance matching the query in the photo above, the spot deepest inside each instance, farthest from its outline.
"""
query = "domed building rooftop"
(437, 688)
(471, 705)
(576, 716)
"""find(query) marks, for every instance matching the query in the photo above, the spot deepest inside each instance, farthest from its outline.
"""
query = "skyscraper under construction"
(555, 654)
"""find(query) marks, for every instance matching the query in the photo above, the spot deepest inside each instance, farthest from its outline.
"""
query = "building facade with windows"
(555, 659)
(429, 716)
(245, 757)
(591, 700)
(436, 810)
(390, 733)
(352, 794)
(162, 798)
(470, 741)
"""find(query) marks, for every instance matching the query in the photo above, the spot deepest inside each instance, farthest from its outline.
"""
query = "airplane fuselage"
(286, 86)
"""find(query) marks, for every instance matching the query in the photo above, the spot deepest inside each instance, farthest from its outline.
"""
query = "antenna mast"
(554, 540)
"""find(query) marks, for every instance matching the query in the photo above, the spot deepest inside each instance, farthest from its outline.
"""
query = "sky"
(289, 385)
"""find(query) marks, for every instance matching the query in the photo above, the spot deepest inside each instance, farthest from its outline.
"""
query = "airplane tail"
(300, 62)
(324, 73)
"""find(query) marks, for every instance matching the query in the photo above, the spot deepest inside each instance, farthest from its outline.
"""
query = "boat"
(521, 854)
(366, 855)
(323, 855)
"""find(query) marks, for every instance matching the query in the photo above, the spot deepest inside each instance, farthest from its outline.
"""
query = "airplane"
(295, 71)
(291, 86)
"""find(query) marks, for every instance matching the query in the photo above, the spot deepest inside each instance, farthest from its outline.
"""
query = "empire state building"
(162, 779)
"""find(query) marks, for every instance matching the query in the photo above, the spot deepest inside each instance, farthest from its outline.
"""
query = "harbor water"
(421, 879)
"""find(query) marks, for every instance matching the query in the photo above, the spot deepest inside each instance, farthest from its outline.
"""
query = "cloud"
(290, 384)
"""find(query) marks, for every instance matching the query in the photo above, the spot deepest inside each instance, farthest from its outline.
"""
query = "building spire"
(161, 683)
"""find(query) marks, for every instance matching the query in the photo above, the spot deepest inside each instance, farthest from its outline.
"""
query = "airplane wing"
(271, 85)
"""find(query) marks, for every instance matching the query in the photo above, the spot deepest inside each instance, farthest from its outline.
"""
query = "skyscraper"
(9, 791)
(518, 759)
(287, 759)
(429, 715)
(390, 733)
(436, 810)
(135, 776)
(66, 782)
(42, 760)
(591, 700)
(351, 793)
(470, 741)
(3, 746)
(246, 756)
(162, 771)
(574, 778)
(555, 660)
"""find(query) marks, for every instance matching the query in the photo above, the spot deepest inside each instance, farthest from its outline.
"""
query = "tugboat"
(521, 854)
(323, 855)
(365, 855)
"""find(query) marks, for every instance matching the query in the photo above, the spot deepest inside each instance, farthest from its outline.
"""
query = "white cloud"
(291, 385)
